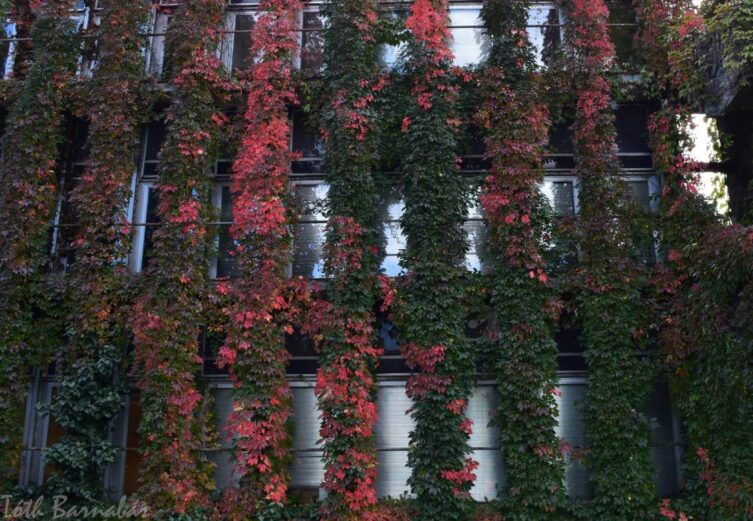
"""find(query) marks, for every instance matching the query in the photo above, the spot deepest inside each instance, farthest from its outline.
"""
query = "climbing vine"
(97, 281)
(701, 292)
(608, 280)
(175, 476)
(516, 124)
(255, 348)
(28, 197)
(429, 307)
(346, 384)
(706, 283)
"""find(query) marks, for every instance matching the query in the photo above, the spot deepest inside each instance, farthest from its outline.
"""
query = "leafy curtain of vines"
(28, 181)
(608, 283)
(176, 476)
(516, 123)
(429, 307)
(704, 290)
(706, 283)
(346, 384)
(90, 394)
(255, 348)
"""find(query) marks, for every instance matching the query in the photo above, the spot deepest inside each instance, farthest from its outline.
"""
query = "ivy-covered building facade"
(429, 259)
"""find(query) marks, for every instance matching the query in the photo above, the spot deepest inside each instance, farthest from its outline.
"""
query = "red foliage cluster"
(511, 189)
(429, 22)
(462, 478)
(594, 131)
(168, 315)
(254, 351)
(665, 510)
(345, 385)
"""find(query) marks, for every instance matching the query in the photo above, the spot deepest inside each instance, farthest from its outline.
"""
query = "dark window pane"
(152, 218)
(306, 139)
(622, 16)
(155, 137)
(561, 138)
(312, 41)
(226, 266)
(631, 122)
(299, 344)
(242, 58)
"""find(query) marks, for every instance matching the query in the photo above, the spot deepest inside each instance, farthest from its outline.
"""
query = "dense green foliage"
(28, 198)
(97, 285)
(346, 383)
(516, 124)
(168, 318)
(429, 309)
(693, 308)
(607, 283)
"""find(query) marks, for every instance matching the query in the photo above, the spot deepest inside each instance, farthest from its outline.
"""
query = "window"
(475, 230)
(622, 27)
(392, 207)
(145, 218)
(310, 232)
(66, 224)
(389, 53)
(545, 32)
(562, 195)
(155, 60)
(133, 458)
(469, 42)
(236, 48)
(7, 49)
(145, 221)
(87, 18)
(224, 264)
(644, 189)
(312, 41)
(309, 235)
(306, 141)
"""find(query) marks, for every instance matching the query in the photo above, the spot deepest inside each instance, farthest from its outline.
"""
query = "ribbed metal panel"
(392, 429)
(572, 430)
(307, 469)
(394, 423)
(224, 474)
(481, 407)
(664, 451)
(392, 473)
(490, 475)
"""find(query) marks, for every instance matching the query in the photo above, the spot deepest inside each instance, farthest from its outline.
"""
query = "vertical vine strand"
(429, 309)
(175, 475)
(255, 349)
(609, 304)
(516, 124)
(346, 384)
(28, 197)
(702, 335)
(97, 290)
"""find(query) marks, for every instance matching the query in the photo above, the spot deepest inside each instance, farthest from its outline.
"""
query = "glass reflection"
(544, 33)
(469, 44)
